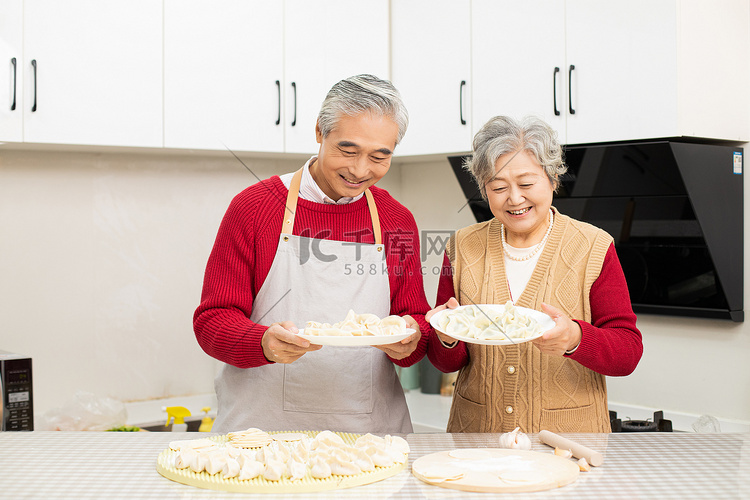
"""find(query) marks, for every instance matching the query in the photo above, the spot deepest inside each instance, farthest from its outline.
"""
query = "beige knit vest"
(504, 387)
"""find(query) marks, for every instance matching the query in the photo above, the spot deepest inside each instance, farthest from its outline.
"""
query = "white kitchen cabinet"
(431, 67)
(93, 72)
(624, 80)
(11, 76)
(256, 76)
(326, 41)
(518, 61)
(618, 70)
(223, 74)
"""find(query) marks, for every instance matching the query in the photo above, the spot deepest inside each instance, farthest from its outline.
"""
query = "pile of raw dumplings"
(488, 323)
(324, 455)
(358, 325)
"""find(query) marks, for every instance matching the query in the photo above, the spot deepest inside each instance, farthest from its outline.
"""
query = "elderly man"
(311, 245)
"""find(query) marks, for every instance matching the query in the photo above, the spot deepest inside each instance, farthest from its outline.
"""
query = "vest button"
(508, 409)
(511, 369)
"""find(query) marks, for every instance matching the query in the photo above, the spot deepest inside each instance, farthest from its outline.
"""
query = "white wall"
(101, 264)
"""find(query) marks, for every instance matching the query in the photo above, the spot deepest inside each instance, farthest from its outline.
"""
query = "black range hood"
(675, 210)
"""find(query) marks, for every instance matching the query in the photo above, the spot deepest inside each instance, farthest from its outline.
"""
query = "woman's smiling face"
(520, 196)
(355, 155)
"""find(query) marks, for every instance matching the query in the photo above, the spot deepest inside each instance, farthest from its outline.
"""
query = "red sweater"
(610, 344)
(245, 248)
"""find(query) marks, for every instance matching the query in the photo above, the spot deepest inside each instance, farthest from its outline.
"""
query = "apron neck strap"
(374, 216)
(291, 207)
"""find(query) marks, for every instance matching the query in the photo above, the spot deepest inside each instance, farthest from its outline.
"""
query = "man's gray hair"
(359, 94)
(502, 135)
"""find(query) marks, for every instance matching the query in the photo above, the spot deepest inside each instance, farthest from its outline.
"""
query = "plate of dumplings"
(357, 330)
(492, 324)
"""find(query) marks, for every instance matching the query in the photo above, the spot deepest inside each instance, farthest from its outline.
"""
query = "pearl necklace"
(537, 247)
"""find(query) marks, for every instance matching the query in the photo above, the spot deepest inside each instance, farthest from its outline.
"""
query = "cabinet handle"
(13, 105)
(278, 88)
(33, 63)
(294, 119)
(461, 101)
(554, 90)
(570, 89)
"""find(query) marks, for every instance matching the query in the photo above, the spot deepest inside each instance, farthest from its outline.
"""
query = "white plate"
(543, 319)
(352, 340)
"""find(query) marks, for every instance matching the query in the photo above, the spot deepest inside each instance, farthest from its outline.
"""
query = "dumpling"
(215, 462)
(196, 444)
(397, 443)
(369, 440)
(296, 470)
(198, 464)
(231, 468)
(380, 456)
(320, 468)
(342, 466)
(361, 459)
(330, 439)
(274, 470)
(184, 458)
(368, 319)
(393, 325)
(458, 324)
(251, 469)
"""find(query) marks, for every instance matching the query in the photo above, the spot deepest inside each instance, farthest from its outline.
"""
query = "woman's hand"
(403, 349)
(282, 345)
(451, 304)
(564, 336)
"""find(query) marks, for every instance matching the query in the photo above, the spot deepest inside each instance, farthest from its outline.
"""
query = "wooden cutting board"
(495, 470)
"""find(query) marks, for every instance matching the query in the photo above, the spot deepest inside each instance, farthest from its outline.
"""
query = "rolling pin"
(579, 451)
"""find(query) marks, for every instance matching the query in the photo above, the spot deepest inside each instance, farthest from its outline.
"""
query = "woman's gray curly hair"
(502, 135)
(359, 94)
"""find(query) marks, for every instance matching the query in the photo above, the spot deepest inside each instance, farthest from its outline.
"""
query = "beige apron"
(345, 389)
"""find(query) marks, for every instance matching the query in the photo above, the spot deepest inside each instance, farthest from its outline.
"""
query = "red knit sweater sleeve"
(611, 344)
(446, 359)
(234, 272)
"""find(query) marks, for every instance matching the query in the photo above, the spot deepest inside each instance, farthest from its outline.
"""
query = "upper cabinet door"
(624, 79)
(325, 42)
(223, 75)
(11, 74)
(518, 51)
(431, 64)
(93, 72)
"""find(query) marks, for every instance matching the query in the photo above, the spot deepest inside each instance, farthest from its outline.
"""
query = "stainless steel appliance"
(17, 408)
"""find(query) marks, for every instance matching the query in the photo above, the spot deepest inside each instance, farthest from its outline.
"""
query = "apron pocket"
(331, 380)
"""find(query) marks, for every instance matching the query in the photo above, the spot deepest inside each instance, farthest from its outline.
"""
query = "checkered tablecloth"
(88, 465)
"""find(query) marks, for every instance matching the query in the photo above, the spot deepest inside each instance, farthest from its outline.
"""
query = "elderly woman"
(538, 258)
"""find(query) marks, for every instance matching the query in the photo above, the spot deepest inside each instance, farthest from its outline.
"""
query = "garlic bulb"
(515, 440)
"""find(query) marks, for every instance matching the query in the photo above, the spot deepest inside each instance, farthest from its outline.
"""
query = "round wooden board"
(495, 470)
(165, 467)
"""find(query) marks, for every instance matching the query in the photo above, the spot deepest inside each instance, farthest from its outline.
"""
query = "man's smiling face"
(355, 155)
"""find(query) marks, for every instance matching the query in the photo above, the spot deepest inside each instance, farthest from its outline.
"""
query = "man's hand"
(403, 349)
(282, 345)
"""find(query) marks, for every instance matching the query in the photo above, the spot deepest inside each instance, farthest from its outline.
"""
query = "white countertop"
(122, 465)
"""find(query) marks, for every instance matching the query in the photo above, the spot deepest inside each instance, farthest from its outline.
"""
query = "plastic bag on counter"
(86, 412)
(707, 424)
